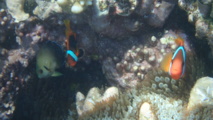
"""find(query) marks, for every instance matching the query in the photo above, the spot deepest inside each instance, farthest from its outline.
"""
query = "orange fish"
(175, 63)
(71, 45)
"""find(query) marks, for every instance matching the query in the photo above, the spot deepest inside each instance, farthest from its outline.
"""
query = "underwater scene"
(106, 59)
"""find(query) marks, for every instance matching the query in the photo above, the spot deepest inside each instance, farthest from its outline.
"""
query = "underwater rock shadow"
(51, 98)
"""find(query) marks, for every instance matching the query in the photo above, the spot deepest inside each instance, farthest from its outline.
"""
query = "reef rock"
(200, 14)
(44, 9)
(16, 9)
(202, 93)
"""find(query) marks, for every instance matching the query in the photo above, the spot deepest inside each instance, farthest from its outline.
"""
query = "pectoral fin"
(56, 74)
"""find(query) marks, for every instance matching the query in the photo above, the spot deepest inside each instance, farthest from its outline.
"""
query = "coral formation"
(6, 25)
(16, 9)
(44, 9)
(146, 103)
(128, 39)
(200, 14)
(139, 60)
(17, 53)
(9, 78)
(94, 99)
(201, 93)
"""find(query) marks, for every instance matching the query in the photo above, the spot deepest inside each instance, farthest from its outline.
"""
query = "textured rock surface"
(201, 93)
(16, 9)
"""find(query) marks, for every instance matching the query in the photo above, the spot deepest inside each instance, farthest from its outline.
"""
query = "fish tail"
(165, 63)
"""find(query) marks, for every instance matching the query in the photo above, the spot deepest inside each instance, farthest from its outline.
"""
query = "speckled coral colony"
(122, 68)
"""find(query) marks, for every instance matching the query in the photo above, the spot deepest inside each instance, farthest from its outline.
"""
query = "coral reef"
(139, 60)
(146, 103)
(110, 16)
(9, 77)
(127, 40)
(201, 93)
(7, 25)
(87, 105)
(16, 9)
(200, 14)
(44, 9)
(17, 55)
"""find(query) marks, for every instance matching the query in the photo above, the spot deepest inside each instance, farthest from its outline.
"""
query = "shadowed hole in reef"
(10, 40)
(52, 97)
(178, 21)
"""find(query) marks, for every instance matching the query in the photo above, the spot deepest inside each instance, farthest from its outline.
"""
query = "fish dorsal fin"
(179, 41)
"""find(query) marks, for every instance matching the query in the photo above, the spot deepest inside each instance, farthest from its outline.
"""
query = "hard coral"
(45, 9)
(199, 13)
(146, 103)
(16, 9)
(94, 100)
(201, 93)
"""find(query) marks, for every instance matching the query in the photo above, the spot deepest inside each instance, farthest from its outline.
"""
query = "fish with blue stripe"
(174, 63)
(72, 52)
